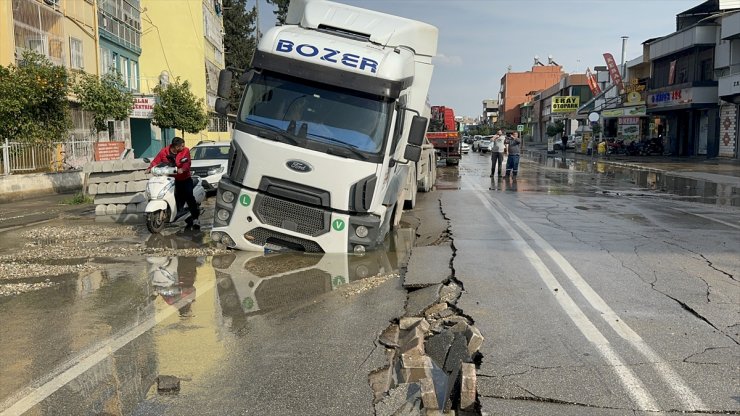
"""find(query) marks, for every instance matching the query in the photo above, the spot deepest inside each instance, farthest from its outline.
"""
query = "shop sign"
(143, 107)
(639, 110)
(108, 150)
(565, 104)
(669, 98)
(613, 112)
(629, 120)
(611, 65)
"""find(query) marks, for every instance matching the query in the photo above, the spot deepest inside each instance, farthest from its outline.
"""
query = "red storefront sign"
(108, 150)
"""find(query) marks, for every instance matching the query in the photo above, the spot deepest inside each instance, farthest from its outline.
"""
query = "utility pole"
(624, 55)
(257, 20)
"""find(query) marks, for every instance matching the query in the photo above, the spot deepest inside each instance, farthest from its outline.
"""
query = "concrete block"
(125, 218)
(413, 360)
(112, 177)
(120, 208)
(414, 346)
(111, 187)
(475, 339)
(139, 164)
(135, 186)
(110, 209)
(120, 187)
(139, 175)
(413, 375)
(97, 166)
(141, 206)
(100, 209)
(468, 387)
(87, 167)
(125, 198)
(107, 166)
(389, 337)
(428, 394)
(92, 189)
(117, 165)
(454, 320)
(419, 300)
(131, 208)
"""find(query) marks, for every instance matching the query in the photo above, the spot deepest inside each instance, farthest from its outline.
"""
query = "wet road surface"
(599, 289)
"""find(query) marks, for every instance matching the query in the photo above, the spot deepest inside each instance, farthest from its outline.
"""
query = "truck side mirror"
(224, 83)
(222, 106)
(412, 153)
(418, 130)
(246, 76)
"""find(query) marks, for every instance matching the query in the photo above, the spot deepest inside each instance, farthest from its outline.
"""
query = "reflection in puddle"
(250, 283)
(683, 188)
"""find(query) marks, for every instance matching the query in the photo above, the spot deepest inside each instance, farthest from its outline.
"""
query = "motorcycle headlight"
(165, 189)
(215, 170)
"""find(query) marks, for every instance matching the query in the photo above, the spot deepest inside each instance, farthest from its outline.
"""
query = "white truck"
(325, 140)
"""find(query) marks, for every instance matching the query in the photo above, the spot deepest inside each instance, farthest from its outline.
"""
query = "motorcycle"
(173, 278)
(160, 191)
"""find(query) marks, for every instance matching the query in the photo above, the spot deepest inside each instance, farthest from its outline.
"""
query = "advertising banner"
(565, 104)
(593, 85)
(611, 65)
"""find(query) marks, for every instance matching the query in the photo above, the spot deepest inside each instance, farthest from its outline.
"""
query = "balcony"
(729, 86)
(731, 27)
(685, 39)
(38, 27)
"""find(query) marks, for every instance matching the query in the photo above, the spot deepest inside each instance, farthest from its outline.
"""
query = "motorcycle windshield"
(317, 114)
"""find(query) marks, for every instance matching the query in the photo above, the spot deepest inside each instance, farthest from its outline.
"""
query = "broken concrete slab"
(458, 353)
(397, 399)
(434, 310)
(438, 345)
(419, 300)
(428, 266)
(428, 394)
(475, 339)
(450, 292)
(380, 382)
(389, 337)
(413, 360)
(413, 375)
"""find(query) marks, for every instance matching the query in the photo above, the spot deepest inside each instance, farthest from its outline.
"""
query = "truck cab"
(327, 132)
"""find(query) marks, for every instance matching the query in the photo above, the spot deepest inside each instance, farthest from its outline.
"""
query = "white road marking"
(18, 404)
(674, 381)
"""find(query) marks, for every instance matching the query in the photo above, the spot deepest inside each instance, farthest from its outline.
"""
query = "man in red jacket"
(176, 154)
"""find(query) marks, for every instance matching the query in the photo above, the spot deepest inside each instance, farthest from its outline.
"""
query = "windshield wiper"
(341, 151)
(277, 133)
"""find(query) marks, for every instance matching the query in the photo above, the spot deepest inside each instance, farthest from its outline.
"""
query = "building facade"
(184, 42)
(490, 112)
(516, 87)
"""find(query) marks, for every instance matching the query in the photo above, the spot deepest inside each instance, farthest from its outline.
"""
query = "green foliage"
(177, 108)
(282, 9)
(78, 199)
(482, 129)
(105, 98)
(239, 41)
(33, 100)
(596, 129)
(555, 128)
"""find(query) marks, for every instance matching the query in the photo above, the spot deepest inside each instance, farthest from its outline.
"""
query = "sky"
(480, 39)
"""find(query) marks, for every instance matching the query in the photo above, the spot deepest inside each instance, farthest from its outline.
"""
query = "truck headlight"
(361, 231)
(223, 214)
(359, 249)
(228, 197)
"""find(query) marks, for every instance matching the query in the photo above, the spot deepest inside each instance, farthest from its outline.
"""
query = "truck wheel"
(155, 221)
(411, 202)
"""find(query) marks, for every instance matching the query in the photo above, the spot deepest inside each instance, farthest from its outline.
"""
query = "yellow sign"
(565, 104)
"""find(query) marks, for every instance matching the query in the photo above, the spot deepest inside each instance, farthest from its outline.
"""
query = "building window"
(123, 70)
(76, 60)
(217, 123)
(134, 76)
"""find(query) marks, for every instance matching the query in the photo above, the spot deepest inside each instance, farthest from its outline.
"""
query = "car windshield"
(209, 152)
(316, 112)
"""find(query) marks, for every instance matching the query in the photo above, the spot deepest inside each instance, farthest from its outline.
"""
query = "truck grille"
(262, 236)
(291, 216)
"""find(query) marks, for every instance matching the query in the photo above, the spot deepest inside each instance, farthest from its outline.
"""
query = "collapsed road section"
(433, 349)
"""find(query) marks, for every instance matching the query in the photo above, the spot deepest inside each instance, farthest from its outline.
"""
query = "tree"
(105, 98)
(177, 108)
(282, 9)
(239, 41)
(595, 129)
(555, 128)
(33, 100)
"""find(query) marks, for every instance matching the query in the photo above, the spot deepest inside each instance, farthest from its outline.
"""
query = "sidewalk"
(720, 171)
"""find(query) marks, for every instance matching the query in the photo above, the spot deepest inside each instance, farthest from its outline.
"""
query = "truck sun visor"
(330, 76)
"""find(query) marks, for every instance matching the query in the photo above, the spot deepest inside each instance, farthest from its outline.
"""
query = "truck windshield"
(321, 113)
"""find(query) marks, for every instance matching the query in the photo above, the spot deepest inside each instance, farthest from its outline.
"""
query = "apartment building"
(186, 42)
(515, 87)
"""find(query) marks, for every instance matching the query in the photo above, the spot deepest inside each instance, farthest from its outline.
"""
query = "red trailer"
(443, 135)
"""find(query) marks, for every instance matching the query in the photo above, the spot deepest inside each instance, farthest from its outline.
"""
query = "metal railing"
(45, 157)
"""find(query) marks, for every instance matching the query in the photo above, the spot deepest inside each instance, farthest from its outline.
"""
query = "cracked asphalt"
(598, 292)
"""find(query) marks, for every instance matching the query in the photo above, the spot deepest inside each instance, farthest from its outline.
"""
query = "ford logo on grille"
(299, 166)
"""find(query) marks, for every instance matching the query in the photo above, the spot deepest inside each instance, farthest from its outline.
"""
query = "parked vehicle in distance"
(476, 142)
(443, 134)
(209, 160)
(485, 145)
(465, 148)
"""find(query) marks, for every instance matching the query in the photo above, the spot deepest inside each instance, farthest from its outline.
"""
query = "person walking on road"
(512, 162)
(564, 139)
(497, 152)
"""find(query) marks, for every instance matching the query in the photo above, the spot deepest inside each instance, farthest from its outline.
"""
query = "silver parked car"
(210, 159)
